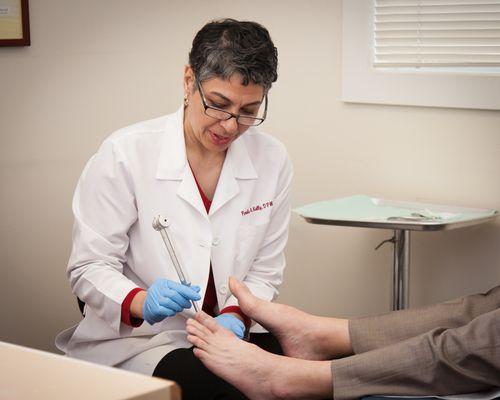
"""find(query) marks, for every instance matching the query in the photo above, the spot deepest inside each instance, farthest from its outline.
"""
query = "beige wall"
(95, 66)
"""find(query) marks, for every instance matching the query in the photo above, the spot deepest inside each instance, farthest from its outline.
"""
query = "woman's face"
(229, 95)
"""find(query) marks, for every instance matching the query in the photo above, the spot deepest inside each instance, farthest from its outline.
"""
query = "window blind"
(437, 33)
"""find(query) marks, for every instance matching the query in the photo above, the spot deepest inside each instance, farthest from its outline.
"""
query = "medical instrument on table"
(416, 217)
(161, 225)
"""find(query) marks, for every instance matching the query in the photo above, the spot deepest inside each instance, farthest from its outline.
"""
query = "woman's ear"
(189, 80)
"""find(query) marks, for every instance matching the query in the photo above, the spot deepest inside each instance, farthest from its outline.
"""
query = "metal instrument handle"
(161, 225)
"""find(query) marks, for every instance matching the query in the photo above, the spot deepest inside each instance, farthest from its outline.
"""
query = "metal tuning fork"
(161, 224)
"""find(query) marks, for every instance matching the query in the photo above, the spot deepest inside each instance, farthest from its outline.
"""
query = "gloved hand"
(232, 323)
(166, 298)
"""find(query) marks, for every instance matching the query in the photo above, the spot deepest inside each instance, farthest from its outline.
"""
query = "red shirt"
(210, 300)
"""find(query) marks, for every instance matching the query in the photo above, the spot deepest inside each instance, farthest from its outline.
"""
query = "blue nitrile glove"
(232, 323)
(166, 298)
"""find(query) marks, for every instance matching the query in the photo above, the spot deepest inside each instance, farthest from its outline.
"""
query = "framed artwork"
(14, 23)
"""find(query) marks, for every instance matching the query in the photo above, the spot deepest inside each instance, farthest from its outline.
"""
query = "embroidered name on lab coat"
(259, 207)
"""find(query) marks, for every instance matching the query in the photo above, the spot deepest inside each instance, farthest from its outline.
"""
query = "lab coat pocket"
(249, 240)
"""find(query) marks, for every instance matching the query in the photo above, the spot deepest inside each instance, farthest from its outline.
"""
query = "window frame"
(431, 87)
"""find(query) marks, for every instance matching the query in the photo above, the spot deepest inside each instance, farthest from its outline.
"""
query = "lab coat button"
(223, 289)
(216, 241)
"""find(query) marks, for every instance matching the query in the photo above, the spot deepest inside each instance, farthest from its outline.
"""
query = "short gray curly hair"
(225, 47)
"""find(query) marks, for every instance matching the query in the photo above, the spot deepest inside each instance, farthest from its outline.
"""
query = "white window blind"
(437, 33)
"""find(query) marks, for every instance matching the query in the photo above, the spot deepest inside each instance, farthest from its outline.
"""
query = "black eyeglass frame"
(230, 114)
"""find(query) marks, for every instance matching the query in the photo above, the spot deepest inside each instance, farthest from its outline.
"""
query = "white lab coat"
(141, 171)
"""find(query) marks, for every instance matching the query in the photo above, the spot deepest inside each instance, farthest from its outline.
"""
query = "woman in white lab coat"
(224, 187)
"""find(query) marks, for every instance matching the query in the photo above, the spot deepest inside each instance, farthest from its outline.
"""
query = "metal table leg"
(401, 272)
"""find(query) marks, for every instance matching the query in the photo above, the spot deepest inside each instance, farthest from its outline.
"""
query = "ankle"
(334, 336)
(301, 379)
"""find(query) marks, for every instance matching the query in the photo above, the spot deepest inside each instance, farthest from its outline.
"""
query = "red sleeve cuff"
(126, 318)
(235, 309)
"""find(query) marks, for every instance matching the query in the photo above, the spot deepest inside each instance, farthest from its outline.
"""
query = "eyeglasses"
(223, 115)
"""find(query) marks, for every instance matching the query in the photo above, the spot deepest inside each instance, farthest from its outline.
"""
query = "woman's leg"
(194, 379)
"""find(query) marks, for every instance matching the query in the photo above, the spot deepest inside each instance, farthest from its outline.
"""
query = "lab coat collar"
(237, 165)
(173, 160)
(173, 165)
(238, 159)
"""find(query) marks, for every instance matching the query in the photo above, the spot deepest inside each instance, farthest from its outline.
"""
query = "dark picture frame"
(21, 18)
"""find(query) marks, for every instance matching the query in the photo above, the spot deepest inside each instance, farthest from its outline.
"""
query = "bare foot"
(301, 335)
(255, 372)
